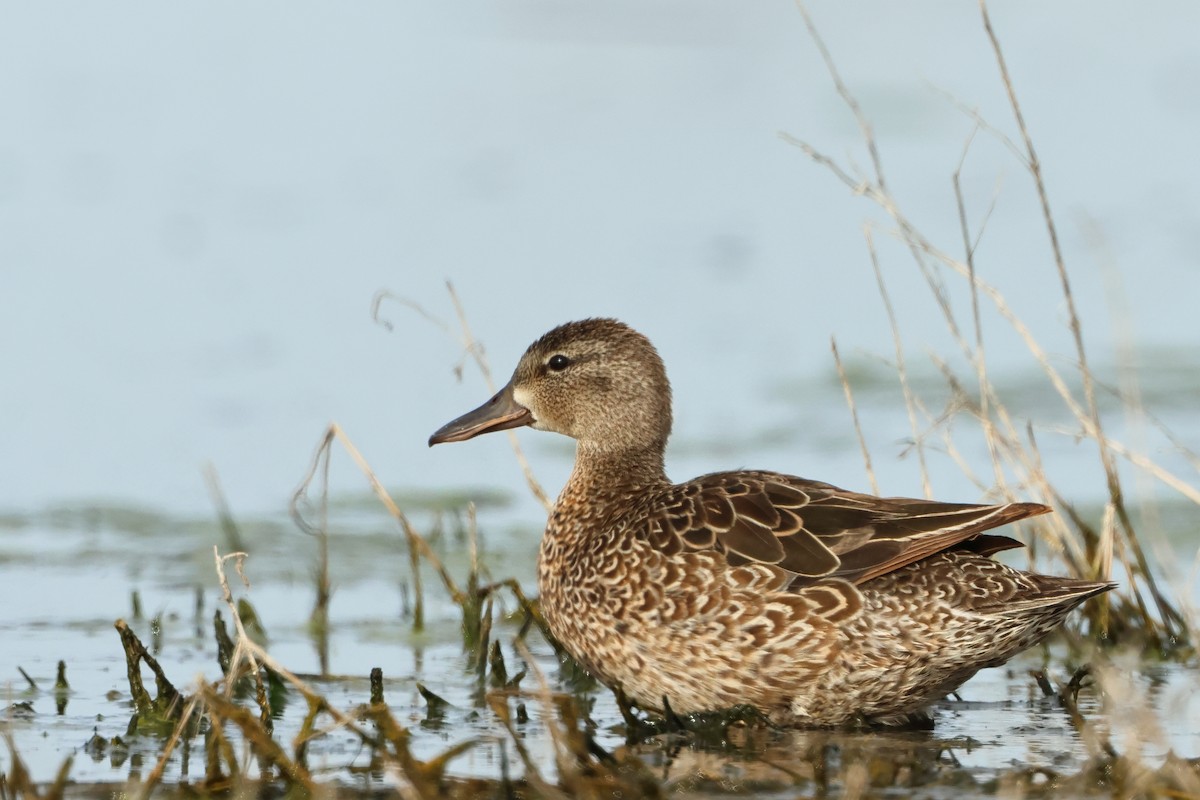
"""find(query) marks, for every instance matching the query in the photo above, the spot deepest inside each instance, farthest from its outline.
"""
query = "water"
(1004, 721)
(195, 215)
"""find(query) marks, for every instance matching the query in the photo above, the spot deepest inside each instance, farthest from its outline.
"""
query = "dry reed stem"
(1129, 389)
(908, 232)
(1169, 616)
(324, 581)
(1102, 567)
(321, 462)
(1065, 540)
(258, 736)
(219, 748)
(1085, 413)
(229, 526)
(254, 653)
(979, 354)
(1035, 168)
(981, 123)
(864, 125)
(260, 690)
(1140, 460)
(324, 588)
(901, 368)
(1122, 553)
(18, 778)
(239, 560)
(533, 776)
(473, 538)
(862, 440)
(476, 350)
(416, 542)
(1002, 449)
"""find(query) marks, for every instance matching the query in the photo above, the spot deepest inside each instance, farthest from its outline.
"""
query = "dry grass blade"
(155, 776)
(864, 125)
(901, 368)
(1000, 431)
(233, 536)
(240, 650)
(1169, 615)
(18, 781)
(474, 350)
(1151, 467)
(862, 440)
(979, 353)
(472, 347)
(562, 752)
(408, 771)
(268, 751)
(416, 542)
(982, 124)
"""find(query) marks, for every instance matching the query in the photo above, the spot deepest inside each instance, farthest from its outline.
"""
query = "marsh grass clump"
(1142, 613)
(237, 713)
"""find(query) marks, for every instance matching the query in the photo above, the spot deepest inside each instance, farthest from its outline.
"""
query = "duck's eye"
(558, 362)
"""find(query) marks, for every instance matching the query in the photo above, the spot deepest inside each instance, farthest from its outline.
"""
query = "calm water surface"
(1003, 720)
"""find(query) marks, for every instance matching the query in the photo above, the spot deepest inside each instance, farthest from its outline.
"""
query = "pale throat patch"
(523, 398)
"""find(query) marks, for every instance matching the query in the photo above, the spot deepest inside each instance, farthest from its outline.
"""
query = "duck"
(817, 606)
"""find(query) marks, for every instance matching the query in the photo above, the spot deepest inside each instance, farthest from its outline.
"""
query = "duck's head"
(598, 381)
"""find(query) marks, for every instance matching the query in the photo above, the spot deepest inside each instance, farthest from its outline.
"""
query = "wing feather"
(814, 531)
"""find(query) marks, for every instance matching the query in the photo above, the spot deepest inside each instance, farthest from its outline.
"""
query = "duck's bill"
(500, 413)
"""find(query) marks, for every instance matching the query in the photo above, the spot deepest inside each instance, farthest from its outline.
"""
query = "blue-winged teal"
(817, 605)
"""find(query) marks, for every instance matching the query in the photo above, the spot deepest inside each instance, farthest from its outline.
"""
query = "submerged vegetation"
(227, 728)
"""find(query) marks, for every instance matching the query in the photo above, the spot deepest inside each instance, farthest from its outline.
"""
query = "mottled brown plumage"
(818, 605)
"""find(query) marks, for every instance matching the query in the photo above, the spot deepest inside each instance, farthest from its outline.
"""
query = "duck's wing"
(815, 531)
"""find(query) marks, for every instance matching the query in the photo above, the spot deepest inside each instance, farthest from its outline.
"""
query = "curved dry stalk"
(472, 346)
(324, 583)
(384, 294)
(473, 350)
(239, 560)
(416, 542)
(562, 750)
(864, 125)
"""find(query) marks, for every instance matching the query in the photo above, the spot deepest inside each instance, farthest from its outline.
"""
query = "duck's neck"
(599, 468)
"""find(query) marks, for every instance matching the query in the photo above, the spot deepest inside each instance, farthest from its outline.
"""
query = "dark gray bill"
(500, 413)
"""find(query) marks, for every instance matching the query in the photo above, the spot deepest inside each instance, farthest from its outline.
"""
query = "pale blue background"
(198, 201)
